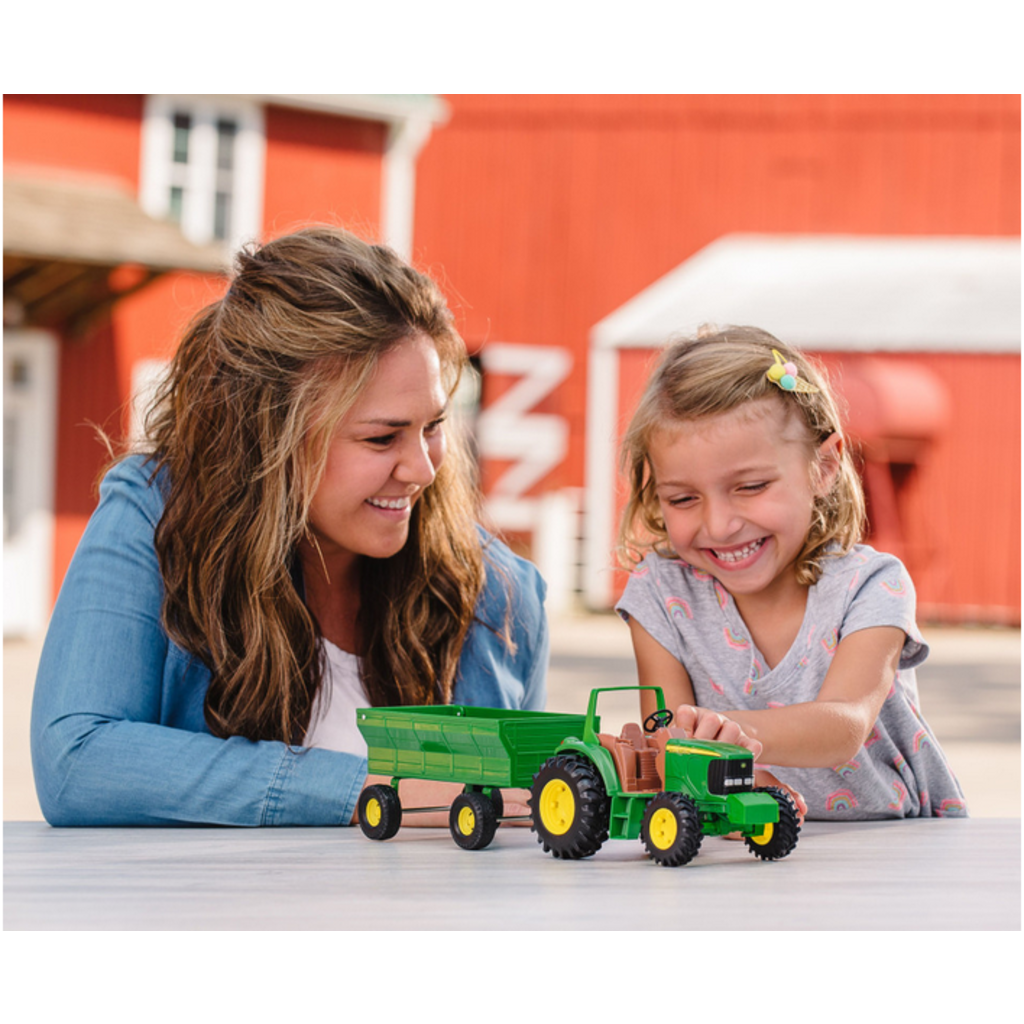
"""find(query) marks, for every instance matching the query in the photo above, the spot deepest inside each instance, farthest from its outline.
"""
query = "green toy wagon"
(486, 749)
(585, 786)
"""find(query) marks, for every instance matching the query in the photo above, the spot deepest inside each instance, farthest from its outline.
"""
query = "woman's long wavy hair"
(719, 370)
(242, 425)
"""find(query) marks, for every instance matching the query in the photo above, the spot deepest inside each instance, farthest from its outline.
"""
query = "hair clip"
(785, 376)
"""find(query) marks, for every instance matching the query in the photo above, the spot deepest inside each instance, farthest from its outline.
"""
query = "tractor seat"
(635, 758)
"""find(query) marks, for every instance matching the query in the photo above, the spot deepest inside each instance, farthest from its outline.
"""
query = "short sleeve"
(642, 600)
(884, 595)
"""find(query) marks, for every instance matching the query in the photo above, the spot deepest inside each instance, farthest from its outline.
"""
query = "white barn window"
(202, 166)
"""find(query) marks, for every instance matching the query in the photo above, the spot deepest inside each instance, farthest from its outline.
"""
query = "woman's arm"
(118, 736)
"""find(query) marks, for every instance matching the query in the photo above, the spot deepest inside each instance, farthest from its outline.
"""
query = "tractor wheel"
(670, 829)
(778, 839)
(380, 812)
(472, 820)
(569, 807)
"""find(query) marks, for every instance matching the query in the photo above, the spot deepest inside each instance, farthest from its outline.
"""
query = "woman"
(295, 542)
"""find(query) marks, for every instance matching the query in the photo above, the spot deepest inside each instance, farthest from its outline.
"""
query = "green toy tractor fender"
(601, 759)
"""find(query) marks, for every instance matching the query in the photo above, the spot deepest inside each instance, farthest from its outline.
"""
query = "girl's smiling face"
(737, 490)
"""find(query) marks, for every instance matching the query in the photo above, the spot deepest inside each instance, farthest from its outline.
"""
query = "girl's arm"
(832, 728)
(656, 666)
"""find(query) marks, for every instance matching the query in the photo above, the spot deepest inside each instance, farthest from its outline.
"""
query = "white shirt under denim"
(332, 722)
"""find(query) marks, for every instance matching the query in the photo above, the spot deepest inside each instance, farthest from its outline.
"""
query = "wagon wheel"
(499, 803)
(472, 820)
(380, 812)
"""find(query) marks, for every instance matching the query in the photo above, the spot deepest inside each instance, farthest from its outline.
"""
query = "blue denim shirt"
(118, 733)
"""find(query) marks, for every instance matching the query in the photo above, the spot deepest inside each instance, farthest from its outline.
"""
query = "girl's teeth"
(738, 556)
(397, 503)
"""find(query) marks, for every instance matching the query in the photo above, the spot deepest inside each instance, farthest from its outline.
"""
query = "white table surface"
(923, 874)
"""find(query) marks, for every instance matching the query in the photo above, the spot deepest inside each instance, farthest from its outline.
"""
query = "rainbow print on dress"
(737, 643)
(840, 800)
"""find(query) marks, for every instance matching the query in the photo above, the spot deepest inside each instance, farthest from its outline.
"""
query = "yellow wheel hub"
(766, 837)
(557, 807)
(467, 821)
(663, 828)
(373, 812)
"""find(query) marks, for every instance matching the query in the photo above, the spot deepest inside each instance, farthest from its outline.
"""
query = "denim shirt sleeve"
(118, 734)
(110, 681)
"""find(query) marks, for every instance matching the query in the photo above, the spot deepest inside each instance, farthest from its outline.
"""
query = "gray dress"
(900, 772)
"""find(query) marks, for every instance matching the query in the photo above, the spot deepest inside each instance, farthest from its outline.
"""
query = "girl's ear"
(830, 453)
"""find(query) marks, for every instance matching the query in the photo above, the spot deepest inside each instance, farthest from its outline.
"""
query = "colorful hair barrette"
(785, 375)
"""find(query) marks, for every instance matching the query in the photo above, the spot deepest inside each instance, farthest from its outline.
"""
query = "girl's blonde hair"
(242, 425)
(719, 370)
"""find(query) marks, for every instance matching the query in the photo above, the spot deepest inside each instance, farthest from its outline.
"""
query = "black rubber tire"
(785, 831)
(680, 842)
(380, 812)
(499, 803)
(472, 820)
(584, 825)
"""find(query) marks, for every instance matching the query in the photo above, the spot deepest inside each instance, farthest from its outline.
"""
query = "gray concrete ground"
(970, 694)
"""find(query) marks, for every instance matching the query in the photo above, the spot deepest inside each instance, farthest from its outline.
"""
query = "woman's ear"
(830, 454)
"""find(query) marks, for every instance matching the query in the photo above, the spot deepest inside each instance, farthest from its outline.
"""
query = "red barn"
(580, 232)
(573, 235)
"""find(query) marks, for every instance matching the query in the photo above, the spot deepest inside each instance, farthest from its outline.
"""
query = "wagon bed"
(475, 746)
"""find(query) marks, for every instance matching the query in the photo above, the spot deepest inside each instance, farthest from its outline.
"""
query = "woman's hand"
(516, 806)
(705, 724)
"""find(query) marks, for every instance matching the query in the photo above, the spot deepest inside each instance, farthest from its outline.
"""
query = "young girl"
(754, 607)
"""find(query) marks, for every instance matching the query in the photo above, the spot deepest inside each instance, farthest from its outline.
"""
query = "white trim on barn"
(410, 119)
(31, 358)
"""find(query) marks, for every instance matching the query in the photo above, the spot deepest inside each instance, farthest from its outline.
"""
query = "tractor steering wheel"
(658, 719)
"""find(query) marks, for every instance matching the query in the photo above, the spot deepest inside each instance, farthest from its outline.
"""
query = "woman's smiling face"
(384, 452)
(736, 492)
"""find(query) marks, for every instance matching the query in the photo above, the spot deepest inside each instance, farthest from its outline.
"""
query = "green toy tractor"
(585, 785)
(658, 785)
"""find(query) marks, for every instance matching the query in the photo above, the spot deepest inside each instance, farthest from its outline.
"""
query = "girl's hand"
(705, 724)
(763, 777)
